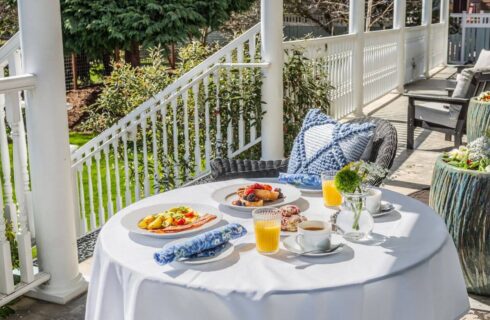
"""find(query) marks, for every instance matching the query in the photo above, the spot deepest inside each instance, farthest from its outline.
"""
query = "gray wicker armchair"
(382, 151)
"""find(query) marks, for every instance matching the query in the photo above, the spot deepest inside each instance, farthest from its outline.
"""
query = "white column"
(399, 20)
(444, 18)
(462, 59)
(272, 87)
(427, 21)
(356, 26)
(50, 162)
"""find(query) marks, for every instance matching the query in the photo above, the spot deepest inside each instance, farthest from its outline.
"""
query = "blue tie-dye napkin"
(206, 244)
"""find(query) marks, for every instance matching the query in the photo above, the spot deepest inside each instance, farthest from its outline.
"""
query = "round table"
(410, 270)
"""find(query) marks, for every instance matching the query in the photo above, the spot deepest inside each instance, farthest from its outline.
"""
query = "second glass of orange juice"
(267, 226)
(331, 196)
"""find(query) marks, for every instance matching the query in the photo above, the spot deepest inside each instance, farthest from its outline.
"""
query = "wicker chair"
(382, 151)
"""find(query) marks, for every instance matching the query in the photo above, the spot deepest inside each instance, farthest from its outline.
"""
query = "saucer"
(386, 207)
(291, 245)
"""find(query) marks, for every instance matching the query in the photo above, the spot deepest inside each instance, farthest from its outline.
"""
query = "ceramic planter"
(462, 199)
(478, 119)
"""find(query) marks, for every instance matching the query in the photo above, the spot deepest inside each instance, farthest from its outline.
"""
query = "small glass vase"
(354, 221)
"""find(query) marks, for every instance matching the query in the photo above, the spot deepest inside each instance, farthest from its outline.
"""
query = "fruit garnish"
(181, 222)
(249, 191)
(257, 186)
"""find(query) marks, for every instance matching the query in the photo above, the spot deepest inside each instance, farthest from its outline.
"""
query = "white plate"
(309, 190)
(291, 245)
(386, 207)
(130, 221)
(227, 251)
(228, 194)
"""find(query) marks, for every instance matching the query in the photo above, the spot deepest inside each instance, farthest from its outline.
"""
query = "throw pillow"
(483, 60)
(325, 144)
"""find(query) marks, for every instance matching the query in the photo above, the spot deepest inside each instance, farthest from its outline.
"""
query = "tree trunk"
(135, 54)
(117, 55)
(106, 61)
(172, 58)
(74, 71)
(132, 56)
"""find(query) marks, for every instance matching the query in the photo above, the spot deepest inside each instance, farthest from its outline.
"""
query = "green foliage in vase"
(353, 177)
(306, 86)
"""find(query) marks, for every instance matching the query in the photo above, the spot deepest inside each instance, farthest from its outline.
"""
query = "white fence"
(16, 277)
(473, 36)
(381, 50)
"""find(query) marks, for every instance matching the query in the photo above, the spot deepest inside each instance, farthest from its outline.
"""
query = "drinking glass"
(331, 196)
(267, 226)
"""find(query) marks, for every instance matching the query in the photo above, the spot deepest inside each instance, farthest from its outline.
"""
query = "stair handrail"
(9, 48)
(197, 71)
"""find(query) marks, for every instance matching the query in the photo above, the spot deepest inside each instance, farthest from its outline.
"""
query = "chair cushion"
(325, 144)
(437, 113)
(483, 60)
(463, 83)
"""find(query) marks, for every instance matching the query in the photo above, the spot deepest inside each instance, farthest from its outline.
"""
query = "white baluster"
(10, 207)
(241, 125)
(115, 145)
(165, 144)
(176, 144)
(185, 97)
(218, 116)
(93, 220)
(229, 129)
(16, 123)
(146, 178)
(127, 182)
(207, 147)
(6, 275)
(136, 165)
(82, 199)
(156, 183)
(101, 211)
(110, 203)
(197, 144)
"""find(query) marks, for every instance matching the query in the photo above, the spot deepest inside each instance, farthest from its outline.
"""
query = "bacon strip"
(199, 222)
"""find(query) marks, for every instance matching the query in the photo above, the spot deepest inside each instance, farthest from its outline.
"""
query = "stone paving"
(412, 171)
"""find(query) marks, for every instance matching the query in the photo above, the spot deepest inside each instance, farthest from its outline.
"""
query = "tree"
(8, 19)
(99, 26)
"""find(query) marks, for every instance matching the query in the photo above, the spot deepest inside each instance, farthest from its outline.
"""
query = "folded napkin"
(199, 244)
(307, 180)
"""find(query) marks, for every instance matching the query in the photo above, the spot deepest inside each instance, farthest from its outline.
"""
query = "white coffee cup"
(373, 200)
(314, 235)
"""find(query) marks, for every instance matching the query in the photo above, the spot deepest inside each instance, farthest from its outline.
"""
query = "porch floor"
(411, 172)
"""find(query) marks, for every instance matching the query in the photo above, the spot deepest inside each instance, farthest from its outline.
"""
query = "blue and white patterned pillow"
(325, 144)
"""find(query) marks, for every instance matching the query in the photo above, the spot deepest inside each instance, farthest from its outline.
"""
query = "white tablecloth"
(414, 274)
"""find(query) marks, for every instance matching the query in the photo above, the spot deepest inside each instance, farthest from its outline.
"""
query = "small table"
(413, 274)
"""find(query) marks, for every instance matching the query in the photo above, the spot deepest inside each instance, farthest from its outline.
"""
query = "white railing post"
(49, 153)
(444, 18)
(272, 86)
(6, 275)
(356, 26)
(399, 24)
(426, 22)
(463, 37)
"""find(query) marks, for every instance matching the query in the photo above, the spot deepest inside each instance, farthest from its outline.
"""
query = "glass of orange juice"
(267, 226)
(331, 196)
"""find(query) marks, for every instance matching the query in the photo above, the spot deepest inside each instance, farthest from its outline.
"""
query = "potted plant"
(460, 194)
(352, 181)
(478, 118)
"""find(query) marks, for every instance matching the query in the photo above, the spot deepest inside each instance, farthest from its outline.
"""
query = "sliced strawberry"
(257, 186)
(249, 191)
(267, 187)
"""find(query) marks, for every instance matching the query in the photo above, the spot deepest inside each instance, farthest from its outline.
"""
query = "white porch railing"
(473, 36)
(380, 61)
(169, 139)
(15, 195)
